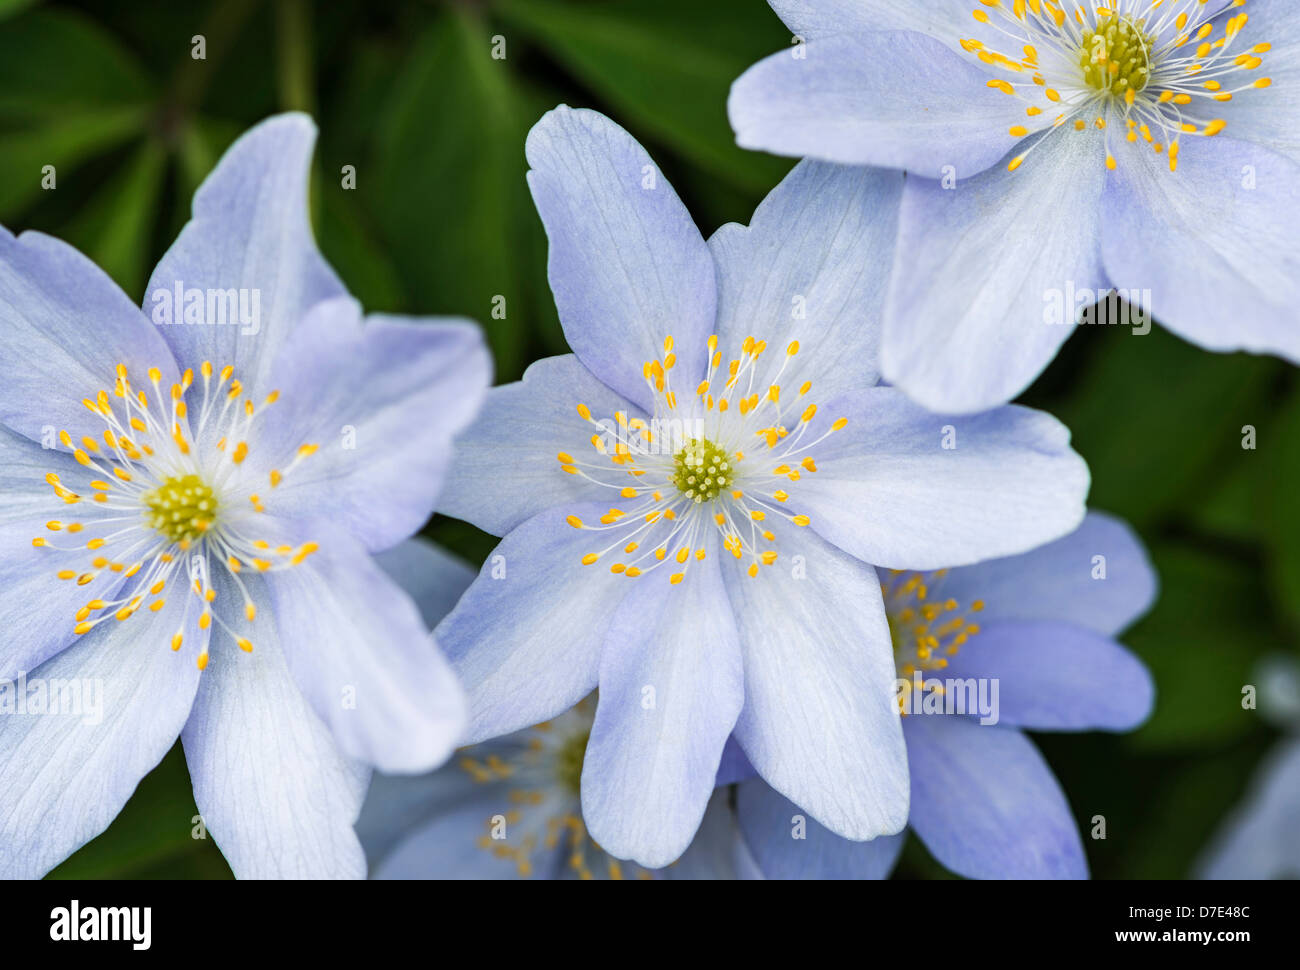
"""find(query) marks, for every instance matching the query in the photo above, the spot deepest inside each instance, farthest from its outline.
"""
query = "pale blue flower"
(510, 809)
(695, 537)
(1258, 840)
(1039, 629)
(191, 512)
(1035, 186)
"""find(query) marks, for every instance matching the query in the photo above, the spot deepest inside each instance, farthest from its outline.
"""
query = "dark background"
(440, 222)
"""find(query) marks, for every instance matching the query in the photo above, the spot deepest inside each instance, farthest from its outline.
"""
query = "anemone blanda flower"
(188, 520)
(1055, 151)
(1035, 635)
(686, 529)
(511, 808)
(1258, 840)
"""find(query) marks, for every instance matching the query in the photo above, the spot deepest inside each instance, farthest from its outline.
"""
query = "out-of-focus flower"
(984, 653)
(1259, 841)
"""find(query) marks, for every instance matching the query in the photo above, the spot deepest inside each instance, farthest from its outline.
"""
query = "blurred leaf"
(448, 187)
(10, 7)
(201, 144)
(153, 828)
(1200, 641)
(54, 63)
(114, 230)
(667, 65)
(65, 144)
(1180, 813)
(1282, 506)
(1230, 508)
(1156, 418)
(349, 246)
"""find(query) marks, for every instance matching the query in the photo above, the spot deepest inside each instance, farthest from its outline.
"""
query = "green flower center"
(701, 470)
(568, 761)
(1116, 56)
(182, 508)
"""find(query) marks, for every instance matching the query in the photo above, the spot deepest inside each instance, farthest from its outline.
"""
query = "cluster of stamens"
(543, 799)
(926, 629)
(165, 509)
(1106, 67)
(694, 467)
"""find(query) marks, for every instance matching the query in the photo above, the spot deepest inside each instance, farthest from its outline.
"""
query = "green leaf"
(347, 240)
(155, 828)
(115, 229)
(10, 7)
(54, 63)
(666, 66)
(64, 144)
(447, 186)
(1180, 810)
(1279, 446)
(1201, 640)
(1157, 418)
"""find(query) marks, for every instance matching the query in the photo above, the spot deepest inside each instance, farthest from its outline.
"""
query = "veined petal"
(382, 400)
(432, 577)
(1216, 244)
(734, 766)
(522, 429)
(1054, 676)
(1098, 578)
(249, 232)
(627, 265)
(985, 803)
(820, 721)
(943, 19)
(902, 488)
(671, 687)
(64, 329)
(37, 608)
(1266, 116)
(123, 697)
(984, 274)
(274, 788)
(718, 850)
(362, 656)
(787, 844)
(813, 265)
(898, 99)
(526, 638)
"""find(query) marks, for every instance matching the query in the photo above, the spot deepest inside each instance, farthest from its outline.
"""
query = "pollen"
(1116, 56)
(701, 470)
(1134, 69)
(568, 761)
(182, 508)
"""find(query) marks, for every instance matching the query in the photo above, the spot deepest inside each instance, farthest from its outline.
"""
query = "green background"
(440, 221)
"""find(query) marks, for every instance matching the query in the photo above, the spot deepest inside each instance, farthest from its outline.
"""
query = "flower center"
(925, 629)
(541, 808)
(1106, 68)
(701, 470)
(157, 483)
(568, 761)
(694, 468)
(182, 508)
(1115, 56)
